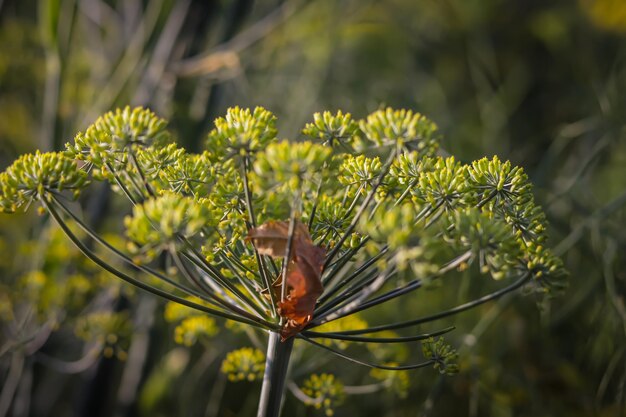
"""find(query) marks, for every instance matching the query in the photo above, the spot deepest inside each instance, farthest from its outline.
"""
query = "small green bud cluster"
(112, 330)
(442, 354)
(242, 132)
(325, 392)
(160, 222)
(33, 175)
(192, 325)
(336, 130)
(104, 144)
(401, 128)
(290, 165)
(245, 364)
(398, 381)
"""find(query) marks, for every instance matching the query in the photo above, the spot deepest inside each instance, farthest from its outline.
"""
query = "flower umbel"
(289, 237)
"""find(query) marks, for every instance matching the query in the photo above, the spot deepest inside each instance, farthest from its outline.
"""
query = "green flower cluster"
(242, 132)
(290, 165)
(112, 330)
(384, 212)
(245, 364)
(401, 128)
(336, 130)
(484, 209)
(325, 392)
(162, 222)
(443, 356)
(191, 324)
(32, 176)
(104, 145)
(360, 172)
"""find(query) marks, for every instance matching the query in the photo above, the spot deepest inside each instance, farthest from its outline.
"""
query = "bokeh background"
(540, 83)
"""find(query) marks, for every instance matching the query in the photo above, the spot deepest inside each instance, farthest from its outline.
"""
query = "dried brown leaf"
(304, 285)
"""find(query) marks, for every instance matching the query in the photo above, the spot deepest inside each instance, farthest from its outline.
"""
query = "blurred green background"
(540, 83)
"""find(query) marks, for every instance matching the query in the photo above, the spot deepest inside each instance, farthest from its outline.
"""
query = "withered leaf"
(304, 285)
(271, 238)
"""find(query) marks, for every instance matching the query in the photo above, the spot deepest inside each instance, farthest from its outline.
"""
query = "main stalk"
(276, 365)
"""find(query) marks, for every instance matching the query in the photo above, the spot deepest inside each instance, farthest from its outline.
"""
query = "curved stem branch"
(126, 258)
(93, 257)
(369, 365)
(363, 339)
(361, 209)
(463, 307)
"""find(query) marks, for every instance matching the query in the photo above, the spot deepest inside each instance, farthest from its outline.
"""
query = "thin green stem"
(93, 257)
(252, 290)
(252, 223)
(348, 294)
(289, 249)
(365, 339)
(369, 263)
(491, 195)
(369, 365)
(146, 184)
(355, 300)
(406, 192)
(361, 209)
(120, 184)
(124, 257)
(314, 209)
(342, 261)
(458, 309)
(228, 305)
(390, 295)
(221, 281)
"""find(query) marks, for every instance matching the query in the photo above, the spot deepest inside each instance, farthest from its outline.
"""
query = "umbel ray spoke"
(362, 339)
(256, 323)
(458, 309)
(368, 364)
(354, 306)
(125, 258)
(361, 209)
(228, 305)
